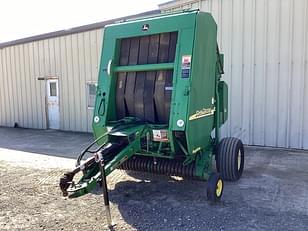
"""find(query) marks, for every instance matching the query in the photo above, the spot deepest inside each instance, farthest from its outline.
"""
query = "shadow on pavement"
(48, 142)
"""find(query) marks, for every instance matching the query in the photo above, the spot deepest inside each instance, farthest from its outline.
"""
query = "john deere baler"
(160, 102)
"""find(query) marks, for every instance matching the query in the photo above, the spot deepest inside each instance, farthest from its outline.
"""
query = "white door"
(53, 110)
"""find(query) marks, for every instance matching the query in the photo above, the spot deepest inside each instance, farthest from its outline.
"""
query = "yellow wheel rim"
(219, 187)
(239, 159)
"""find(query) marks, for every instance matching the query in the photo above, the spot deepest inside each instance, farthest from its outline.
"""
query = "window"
(91, 92)
(53, 88)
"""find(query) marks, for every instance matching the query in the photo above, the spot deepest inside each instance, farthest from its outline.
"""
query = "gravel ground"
(272, 195)
(30, 200)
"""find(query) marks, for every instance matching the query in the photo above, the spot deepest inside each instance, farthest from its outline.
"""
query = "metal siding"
(32, 80)
(18, 85)
(247, 70)
(75, 82)
(40, 63)
(297, 75)
(13, 84)
(88, 75)
(305, 85)
(82, 79)
(72, 58)
(265, 47)
(12, 101)
(236, 67)
(271, 72)
(3, 95)
(226, 47)
(8, 106)
(30, 84)
(259, 83)
(63, 83)
(2, 112)
(69, 87)
(23, 93)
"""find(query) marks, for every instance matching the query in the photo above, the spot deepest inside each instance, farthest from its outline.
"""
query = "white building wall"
(73, 58)
(265, 43)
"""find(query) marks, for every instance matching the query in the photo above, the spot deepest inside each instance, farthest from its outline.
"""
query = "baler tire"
(215, 186)
(230, 158)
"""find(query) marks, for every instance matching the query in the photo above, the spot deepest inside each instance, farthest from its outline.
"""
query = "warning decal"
(186, 63)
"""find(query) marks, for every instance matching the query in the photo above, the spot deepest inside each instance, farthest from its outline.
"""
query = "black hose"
(117, 127)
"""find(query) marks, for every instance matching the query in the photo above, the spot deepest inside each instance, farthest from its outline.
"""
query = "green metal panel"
(195, 95)
(184, 23)
(181, 85)
(201, 106)
(167, 23)
(223, 101)
(145, 67)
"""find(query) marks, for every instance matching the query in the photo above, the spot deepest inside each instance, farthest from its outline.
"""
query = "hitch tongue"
(65, 182)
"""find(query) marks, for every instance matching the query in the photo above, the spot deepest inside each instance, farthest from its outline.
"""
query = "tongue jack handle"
(105, 193)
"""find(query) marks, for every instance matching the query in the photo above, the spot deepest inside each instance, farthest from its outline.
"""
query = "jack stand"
(110, 225)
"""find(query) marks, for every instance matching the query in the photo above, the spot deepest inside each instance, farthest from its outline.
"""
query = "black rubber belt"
(131, 77)
(153, 49)
(120, 91)
(146, 95)
(168, 94)
(121, 80)
(163, 48)
(169, 75)
(138, 96)
(172, 46)
(149, 85)
(140, 79)
(159, 94)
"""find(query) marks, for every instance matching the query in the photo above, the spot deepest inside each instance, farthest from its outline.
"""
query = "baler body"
(160, 102)
(164, 71)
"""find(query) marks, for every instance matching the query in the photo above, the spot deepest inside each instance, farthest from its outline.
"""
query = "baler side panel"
(201, 105)
(182, 85)
(105, 92)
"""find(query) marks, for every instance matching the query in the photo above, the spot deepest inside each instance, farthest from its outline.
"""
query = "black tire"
(215, 186)
(230, 158)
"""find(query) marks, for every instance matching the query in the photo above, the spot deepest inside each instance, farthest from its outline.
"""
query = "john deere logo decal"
(145, 27)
